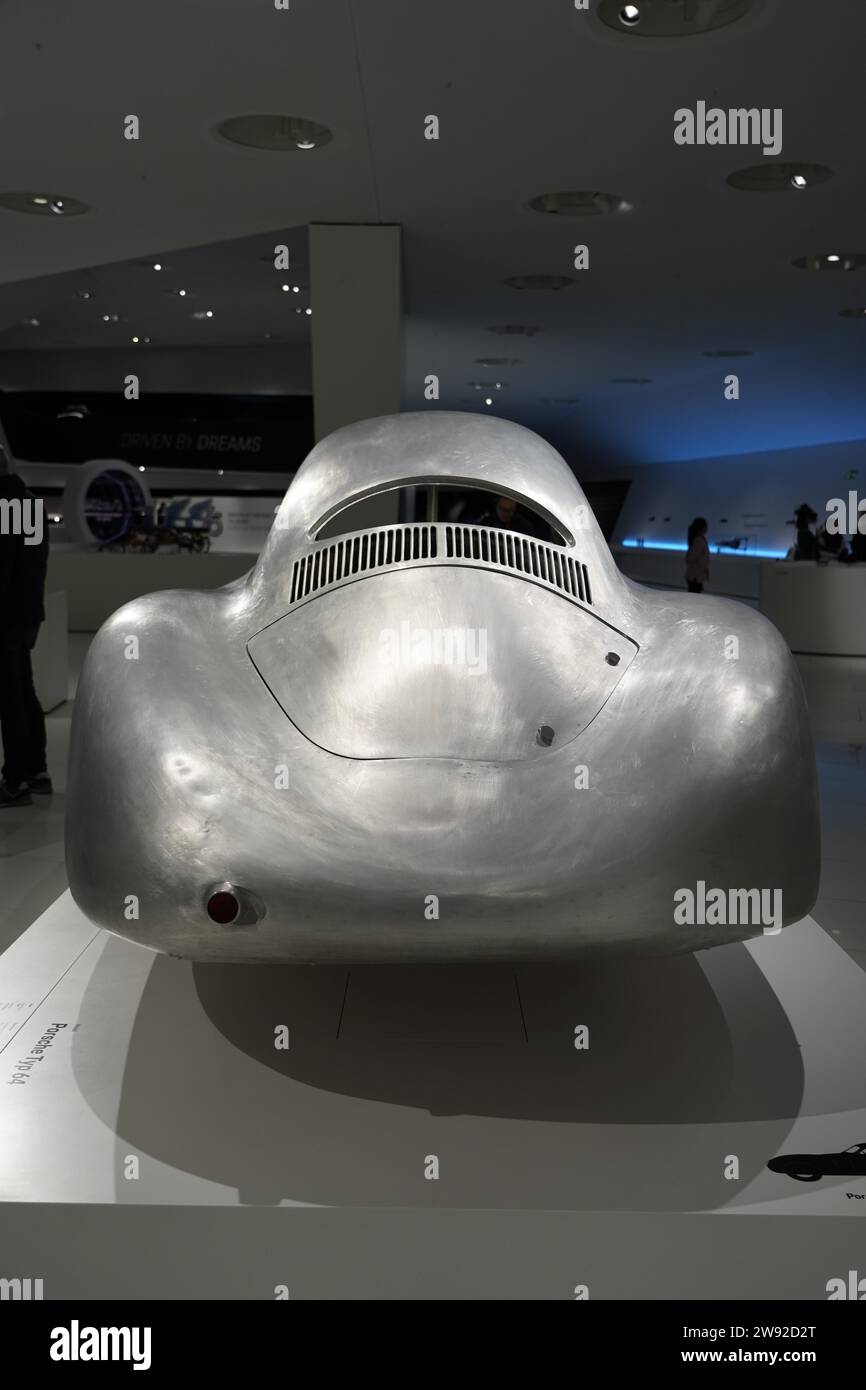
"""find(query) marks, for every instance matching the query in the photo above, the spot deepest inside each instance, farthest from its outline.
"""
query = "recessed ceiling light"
(488, 400)
(579, 203)
(286, 288)
(308, 311)
(202, 314)
(778, 176)
(280, 133)
(295, 289)
(631, 380)
(141, 468)
(670, 18)
(157, 265)
(729, 352)
(84, 294)
(135, 340)
(111, 318)
(852, 313)
(832, 260)
(32, 323)
(220, 472)
(43, 204)
(539, 282)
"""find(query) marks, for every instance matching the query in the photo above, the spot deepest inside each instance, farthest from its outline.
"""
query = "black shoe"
(14, 796)
(41, 784)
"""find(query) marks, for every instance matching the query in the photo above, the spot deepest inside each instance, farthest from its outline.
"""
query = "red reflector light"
(223, 908)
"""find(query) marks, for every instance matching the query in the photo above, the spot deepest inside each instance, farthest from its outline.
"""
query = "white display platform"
(744, 1050)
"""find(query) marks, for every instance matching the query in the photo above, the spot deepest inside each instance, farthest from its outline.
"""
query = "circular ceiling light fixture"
(852, 313)
(579, 203)
(670, 18)
(43, 204)
(285, 134)
(778, 176)
(832, 260)
(515, 330)
(729, 352)
(539, 282)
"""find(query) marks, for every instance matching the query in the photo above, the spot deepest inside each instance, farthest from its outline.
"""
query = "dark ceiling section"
(556, 131)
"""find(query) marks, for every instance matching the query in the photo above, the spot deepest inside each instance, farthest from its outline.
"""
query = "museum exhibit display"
(439, 741)
(433, 671)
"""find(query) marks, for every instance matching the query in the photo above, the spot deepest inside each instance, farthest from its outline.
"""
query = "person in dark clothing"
(507, 515)
(698, 556)
(807, 543)
(23, 565)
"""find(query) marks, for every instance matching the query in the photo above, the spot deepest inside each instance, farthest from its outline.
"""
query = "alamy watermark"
(23, 516)
(409, 646)
(732, 907)
(21, 1290)
(737, 126)
(846, 518)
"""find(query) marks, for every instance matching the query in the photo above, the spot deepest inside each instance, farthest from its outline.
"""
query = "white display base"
(745, 1051)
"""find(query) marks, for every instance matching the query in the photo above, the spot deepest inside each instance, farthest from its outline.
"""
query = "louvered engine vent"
(337, 562)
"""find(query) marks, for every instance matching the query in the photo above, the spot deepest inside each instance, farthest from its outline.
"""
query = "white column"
(355, 298)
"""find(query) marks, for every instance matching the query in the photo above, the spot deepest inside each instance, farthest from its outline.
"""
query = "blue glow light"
(633, 544)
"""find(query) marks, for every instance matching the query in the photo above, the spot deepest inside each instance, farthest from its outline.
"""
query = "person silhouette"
(23, 566)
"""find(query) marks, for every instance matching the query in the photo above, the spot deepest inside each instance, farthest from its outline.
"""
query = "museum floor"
(169, 1146)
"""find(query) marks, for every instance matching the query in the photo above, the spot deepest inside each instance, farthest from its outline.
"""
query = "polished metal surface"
(464, 756)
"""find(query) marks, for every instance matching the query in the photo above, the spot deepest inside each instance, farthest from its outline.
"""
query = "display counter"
(819, 609)
(99, 582)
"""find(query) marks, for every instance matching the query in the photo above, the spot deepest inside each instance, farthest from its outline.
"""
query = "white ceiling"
(532, 97)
